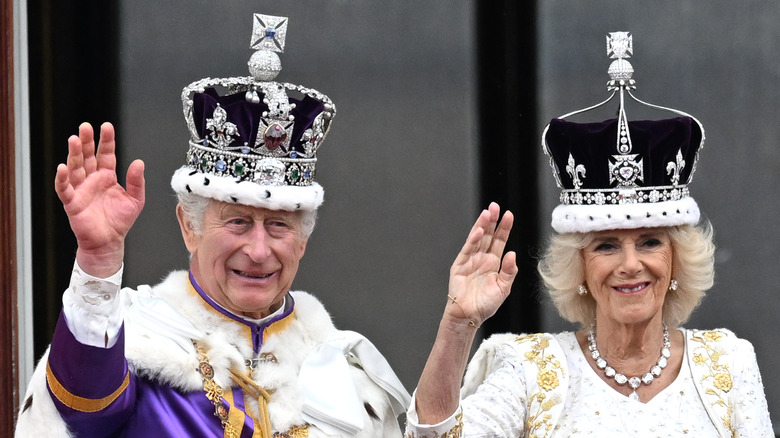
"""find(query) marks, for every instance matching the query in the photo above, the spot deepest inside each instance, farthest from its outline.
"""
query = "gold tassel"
(254, 390)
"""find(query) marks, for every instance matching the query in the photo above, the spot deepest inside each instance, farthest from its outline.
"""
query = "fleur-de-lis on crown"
(674, 169)
(222, 131)
(574, 170)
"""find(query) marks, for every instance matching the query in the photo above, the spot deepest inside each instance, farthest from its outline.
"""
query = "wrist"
(100, 263)
(454, 303)
(458, 325)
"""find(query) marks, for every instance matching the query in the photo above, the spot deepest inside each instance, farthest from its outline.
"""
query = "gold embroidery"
(540, 419)
(547, 380)
(294, 432)
(717, 376)
(455, 432)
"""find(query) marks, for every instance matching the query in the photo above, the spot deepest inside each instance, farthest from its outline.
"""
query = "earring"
(673, 285)
(582, 290)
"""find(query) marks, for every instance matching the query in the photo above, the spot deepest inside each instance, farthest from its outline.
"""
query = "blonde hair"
(562, 269)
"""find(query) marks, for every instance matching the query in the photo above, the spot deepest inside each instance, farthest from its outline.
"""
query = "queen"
(629, 261)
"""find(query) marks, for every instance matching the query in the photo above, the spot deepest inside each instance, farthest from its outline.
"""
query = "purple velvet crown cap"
(246, 116)
(646, 186)
(592, 145)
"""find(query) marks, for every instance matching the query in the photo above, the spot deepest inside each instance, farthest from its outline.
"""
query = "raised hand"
(480, 279)
(101, 212)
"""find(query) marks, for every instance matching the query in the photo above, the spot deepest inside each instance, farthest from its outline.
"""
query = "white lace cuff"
(92, 307)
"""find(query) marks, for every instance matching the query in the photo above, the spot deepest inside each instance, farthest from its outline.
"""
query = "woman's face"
(628, 272)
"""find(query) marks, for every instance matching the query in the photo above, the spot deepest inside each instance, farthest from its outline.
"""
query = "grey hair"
(562, 269)
(194, 208)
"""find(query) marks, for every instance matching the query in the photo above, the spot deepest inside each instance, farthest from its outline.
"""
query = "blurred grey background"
(401, 164)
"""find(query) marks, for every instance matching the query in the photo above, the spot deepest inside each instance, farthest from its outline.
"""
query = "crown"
(256, 143)
(619, 173)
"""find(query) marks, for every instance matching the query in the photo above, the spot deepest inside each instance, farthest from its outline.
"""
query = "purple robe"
(98, 396)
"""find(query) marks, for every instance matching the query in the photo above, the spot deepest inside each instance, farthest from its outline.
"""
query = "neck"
(629, 342)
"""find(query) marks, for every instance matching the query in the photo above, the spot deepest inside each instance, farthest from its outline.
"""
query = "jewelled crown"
(256, 143)
(620, 173)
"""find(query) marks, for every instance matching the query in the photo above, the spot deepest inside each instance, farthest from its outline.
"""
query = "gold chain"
(214, 392)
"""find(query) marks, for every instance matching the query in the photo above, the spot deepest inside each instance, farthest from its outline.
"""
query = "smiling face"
(628, 274)
(245, 258)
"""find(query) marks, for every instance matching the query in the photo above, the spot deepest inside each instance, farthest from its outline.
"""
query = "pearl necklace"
(620, 378)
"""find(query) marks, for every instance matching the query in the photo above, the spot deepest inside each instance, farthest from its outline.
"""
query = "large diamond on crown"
(626, 170)
(270, 172)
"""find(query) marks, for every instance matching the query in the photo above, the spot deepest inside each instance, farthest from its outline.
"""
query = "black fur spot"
(371, 411)
(27, 404)
(189, 190)
(193, 172)
(267, 194)
(206, 181)
(234, 199)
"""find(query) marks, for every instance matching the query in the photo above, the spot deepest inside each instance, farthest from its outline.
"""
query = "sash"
(711, 364)
(547, 381)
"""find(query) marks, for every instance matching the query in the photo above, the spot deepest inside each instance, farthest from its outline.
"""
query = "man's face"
(245, 258)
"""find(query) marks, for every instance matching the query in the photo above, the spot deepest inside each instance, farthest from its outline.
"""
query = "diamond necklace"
(621, 378)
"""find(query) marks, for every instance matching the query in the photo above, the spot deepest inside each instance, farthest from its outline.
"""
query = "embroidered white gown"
(499, 406)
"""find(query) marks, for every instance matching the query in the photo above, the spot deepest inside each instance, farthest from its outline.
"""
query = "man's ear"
(187, 232)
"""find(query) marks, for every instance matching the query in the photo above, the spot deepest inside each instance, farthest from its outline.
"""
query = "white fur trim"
(585, 218)
(41, 418)
(228, 189)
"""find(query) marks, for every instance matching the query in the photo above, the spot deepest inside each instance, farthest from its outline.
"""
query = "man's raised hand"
(101, 212)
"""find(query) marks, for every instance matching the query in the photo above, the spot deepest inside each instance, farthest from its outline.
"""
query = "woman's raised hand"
(101, 212)
(480, 278)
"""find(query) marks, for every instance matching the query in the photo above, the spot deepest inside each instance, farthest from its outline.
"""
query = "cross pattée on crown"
(620, 45)
(268, 33)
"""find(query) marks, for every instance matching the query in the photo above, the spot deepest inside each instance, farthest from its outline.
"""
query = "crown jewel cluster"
(271, 158)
